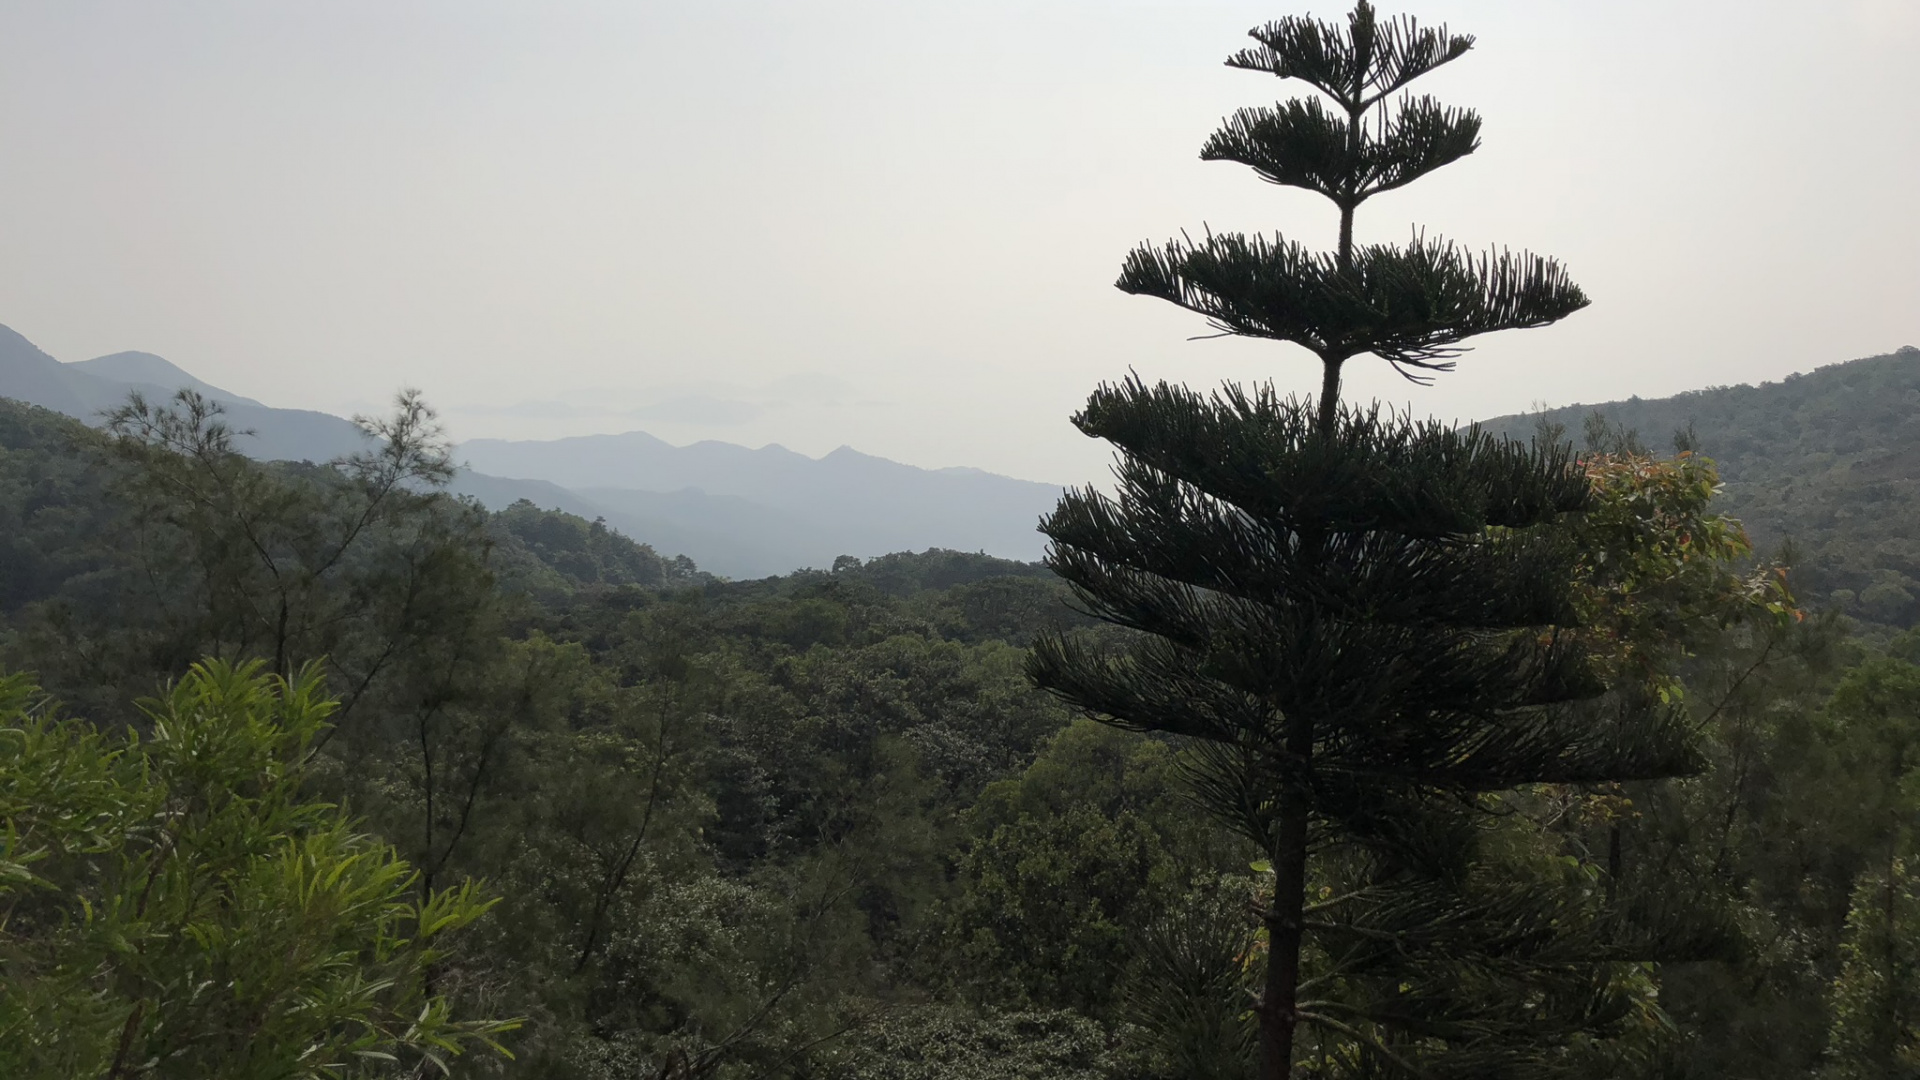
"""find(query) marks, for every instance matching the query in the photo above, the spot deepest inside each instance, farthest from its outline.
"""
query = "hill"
(1825, 465)
(794, 797)
(151, 370)
(87, 389)
(737, 512)
(757, 512)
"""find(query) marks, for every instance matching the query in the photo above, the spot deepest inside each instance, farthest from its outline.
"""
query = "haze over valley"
(735, 512)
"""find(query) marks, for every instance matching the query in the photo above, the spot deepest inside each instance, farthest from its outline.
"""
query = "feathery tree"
(178, 906)
(1363, 625)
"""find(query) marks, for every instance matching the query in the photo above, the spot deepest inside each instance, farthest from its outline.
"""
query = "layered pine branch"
(1410, 305)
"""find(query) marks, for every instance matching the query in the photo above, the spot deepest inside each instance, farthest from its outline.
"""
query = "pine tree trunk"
(1285, 915)
(1281, 995)
(1615, 859)
(1329, 395)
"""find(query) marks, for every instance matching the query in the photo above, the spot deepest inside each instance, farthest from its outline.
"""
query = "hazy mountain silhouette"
(735, 537)
(735, 511)
(1829, 460)
(32, 376)
(146, 368)
(87, 389)
(769, 510)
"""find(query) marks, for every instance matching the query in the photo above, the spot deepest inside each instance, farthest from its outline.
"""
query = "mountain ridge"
(735, 511)
(846, 502)
(1825, 463)
(145, 367)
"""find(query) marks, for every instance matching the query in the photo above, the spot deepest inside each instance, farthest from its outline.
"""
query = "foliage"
(361, 563)
(1876, 1006)
(729, 822)
(554, 554)
(1663, 568)
(1875, 713)
(1820, 466)
(175, 907)
(1053, 906)
(1187, 994)
(904, 574)
(49, 502)
(947, 1043)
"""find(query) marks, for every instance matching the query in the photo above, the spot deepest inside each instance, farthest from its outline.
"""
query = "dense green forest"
(813, 826)
(1821, 466)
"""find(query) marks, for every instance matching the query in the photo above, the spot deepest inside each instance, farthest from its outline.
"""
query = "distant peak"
(13, 341)
(618, 438)
(772, 449)
(145, 367)
(133, 366)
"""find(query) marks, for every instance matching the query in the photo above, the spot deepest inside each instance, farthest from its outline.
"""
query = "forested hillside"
(1827, 463)
(723, 819)
(823, 826)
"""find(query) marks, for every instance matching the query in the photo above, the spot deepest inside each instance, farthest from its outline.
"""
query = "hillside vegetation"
(1824, 465)
(822, 826)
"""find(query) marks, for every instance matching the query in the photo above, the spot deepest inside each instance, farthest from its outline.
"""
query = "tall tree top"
(1410, 305)
(1301, 143)
(1356, 65)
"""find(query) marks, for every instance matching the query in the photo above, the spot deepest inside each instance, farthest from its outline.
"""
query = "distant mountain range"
(734, 511)
(1827, 462)
(772, 509)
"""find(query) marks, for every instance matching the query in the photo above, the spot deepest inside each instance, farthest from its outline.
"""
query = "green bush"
(172, 906)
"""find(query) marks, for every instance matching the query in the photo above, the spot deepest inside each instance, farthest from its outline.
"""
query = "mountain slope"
(1828, 462)
(498, 493)
(86, 389)
(750, 513)
(30, 375)
(734, 537)
(146, 368)
(735, 511)
(89, 388)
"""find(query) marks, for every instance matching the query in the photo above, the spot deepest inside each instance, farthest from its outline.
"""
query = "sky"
(895, 225)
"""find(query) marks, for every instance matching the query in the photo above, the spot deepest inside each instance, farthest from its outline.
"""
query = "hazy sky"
(896, 224)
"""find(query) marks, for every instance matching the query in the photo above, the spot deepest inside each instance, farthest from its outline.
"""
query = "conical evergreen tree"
(1360, 623)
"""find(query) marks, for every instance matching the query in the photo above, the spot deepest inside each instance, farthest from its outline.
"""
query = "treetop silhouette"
(1411, 305)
